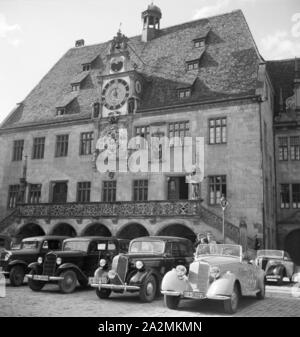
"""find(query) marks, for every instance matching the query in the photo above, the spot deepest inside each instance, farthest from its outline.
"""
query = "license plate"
(41, 277)
(193, 294)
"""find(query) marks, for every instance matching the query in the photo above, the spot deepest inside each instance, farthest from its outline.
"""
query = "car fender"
(35, 266)
(140, 276)
(99, 272)
(222, 286)
(171, 282)
(78, 271)
(17, 262)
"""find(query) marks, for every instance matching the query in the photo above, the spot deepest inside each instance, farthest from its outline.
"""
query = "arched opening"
(64, 229)
(27, 231)
(96, 229)
(132, 231)
(181, 231)
(292, 245)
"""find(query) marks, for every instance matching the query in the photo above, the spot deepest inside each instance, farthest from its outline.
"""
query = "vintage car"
(218, 272)
(14, 263)
(142, 269)
(277, 265)
(5, 242)
(76, 262)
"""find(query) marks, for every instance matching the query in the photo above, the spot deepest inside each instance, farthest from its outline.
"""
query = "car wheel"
(148, 289)
(68, 283)
(231, 305)
(261, 294)
(171, 302)
(16, 276)
(103, 293)
(34, 284)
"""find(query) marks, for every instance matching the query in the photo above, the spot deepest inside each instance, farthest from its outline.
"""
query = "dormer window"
(184, 93)
(193, 65)
(199, 43)
(60, 111)
(86, 67)
(76, 87)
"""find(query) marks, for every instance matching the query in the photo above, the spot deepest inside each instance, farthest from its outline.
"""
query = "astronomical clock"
(121, 85)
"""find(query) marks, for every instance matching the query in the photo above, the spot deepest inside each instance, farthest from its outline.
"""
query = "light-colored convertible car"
(218, 272)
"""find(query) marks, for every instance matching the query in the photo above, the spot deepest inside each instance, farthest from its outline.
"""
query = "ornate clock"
(115, 94)
(116, 64)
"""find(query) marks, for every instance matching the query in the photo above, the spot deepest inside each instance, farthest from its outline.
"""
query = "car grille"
(121, 266)
(49, 264)
(198, 276)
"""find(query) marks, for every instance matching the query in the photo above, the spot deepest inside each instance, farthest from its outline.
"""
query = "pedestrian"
(201, 239)
(210, 238)
(257, 244)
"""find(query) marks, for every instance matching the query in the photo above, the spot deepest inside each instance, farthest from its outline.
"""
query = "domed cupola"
(151, 22)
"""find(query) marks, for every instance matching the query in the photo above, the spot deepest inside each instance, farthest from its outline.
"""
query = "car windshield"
(270, 253)
(146, 247)
(218, 249)
(76, 245)
(29, 244)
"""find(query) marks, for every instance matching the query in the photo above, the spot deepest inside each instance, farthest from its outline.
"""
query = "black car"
(143, 267)
(14, 263)
(76, 262)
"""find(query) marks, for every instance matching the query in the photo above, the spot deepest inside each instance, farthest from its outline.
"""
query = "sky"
(34, 34)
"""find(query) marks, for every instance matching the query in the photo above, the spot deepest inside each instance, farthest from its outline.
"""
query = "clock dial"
(115, 94)
(138, 87)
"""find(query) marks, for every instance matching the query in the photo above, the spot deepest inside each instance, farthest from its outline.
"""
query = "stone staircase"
(6, 222)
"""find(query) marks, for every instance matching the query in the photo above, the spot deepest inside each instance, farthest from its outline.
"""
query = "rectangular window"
(86, 67)
(18, 150)
(144, 132)
(109, 191)
(83, 191)
(218, 131)
(184, 93)
(179, 129)
(61, 111)
(295, 148)
(140, 190)
(283, 148)
(38, 148)
(296, 195)
(284, 196)
(13, 191)
(217, 188)
(86, 142)
(75, 87)
(199, 43)
(193, 65)
(61, 145)
(34, 193)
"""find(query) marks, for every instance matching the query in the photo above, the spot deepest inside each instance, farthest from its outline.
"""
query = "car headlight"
(102, 263)
(58, 261)
(7, 256)
(40, 260)
(180, 271)
(139, 264)
(214, 272)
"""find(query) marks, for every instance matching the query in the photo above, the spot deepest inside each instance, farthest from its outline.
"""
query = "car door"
(91, 260)
(247, 274)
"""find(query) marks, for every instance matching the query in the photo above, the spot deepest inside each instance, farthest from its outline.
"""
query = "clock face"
(138, 86)
(115, 93)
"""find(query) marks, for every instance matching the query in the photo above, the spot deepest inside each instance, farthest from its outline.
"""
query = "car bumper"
(44, 278)
(100, 285)
(194, 295)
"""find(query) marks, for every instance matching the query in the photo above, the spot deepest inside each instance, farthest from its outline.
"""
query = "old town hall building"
(203, 78)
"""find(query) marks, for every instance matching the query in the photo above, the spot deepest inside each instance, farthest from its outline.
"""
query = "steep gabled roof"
(228, 68)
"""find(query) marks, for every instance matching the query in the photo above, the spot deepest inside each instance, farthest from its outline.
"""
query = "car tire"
(16, 276)
(231, 305)
(171, 302)
(35, 285)
(69, 282)
(148, 289)
(103, 293)
(261, 294)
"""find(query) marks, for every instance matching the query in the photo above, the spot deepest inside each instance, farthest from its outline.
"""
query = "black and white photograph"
(149, 161)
